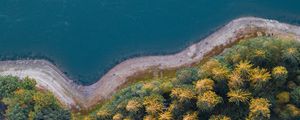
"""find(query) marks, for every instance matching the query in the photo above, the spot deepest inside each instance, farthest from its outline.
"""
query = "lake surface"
(85, 38)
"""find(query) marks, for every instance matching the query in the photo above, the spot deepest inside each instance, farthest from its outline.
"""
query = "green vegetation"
(22, 101)
(256, 79)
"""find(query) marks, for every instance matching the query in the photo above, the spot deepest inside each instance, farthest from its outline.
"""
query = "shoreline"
(49, 77)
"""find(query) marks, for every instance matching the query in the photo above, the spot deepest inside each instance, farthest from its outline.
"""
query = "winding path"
(72, 95)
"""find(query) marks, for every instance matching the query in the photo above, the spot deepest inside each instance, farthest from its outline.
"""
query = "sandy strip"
(72, 95)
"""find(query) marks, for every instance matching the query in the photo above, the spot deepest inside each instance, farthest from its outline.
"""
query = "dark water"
(85, 38)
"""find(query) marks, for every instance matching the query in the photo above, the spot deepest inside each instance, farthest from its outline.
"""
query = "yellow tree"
(259, 77)
(220, 73)
(206, 68)
(208, 100)
(259, 109)
(118, 116)
(283, 97)
(43, 100)
(235, 81)
(183, 94)
(134, 106)
(243, 68)
(103, 114)
(219, 117)
(166, 116)
(153, 104)
(149, 117)
(190, 116)
(204, 85)
(280, 75)
(238, 96)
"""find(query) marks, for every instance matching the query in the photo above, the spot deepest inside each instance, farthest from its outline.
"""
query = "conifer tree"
(259, 109)
(190, 116)
(219, 117)
(238, 96)
(204, 85)
(208, 100)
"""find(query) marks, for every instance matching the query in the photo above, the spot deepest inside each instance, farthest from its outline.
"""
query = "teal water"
(85, 38)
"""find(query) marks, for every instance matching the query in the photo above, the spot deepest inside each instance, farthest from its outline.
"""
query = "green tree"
(16, 112)
(8, 84)
(295, 96)
(53, 113)
(28, 83)
(187, 75)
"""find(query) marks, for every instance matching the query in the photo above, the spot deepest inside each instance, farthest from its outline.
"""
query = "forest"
(256, 79)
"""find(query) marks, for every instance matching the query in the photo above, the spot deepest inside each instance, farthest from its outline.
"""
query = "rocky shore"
(72, 95)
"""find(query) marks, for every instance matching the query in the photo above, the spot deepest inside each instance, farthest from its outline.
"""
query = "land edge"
(49, 77)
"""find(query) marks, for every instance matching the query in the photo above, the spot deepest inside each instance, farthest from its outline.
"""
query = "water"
(85, 38)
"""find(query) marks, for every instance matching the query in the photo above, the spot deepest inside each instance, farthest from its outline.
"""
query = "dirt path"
(72, 95)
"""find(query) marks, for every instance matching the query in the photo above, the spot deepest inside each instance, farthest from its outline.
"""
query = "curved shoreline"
(51, 78)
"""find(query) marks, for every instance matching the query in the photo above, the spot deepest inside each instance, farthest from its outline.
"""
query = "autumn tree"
(190, 116)
(259, 109)
(219, 117)
(204, 85)
(238, 96)
(183, 94)
(208, 100)
(167, 115)
(154, 104)
(280, 75)
(259, 78)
